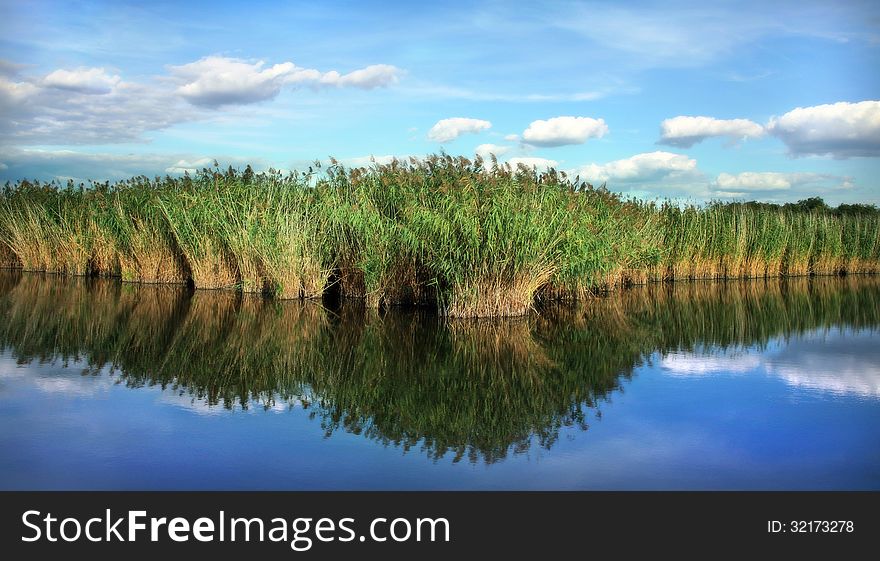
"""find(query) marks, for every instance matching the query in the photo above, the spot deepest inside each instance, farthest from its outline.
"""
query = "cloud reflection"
(840, 362)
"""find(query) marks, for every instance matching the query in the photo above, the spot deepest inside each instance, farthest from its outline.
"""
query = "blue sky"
(751, 100)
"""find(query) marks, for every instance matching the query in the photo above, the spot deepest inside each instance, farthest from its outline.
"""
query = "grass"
(472, 238)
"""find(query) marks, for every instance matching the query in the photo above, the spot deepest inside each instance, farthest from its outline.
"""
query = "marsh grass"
(144, 244)
(471, 238)
(195, 219)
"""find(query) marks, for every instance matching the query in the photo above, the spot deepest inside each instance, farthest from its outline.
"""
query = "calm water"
(738, 385)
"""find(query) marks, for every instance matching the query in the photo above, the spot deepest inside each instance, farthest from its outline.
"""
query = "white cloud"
(367, 161)
(673, 175)
(686, 131)
(220, 81)
(3, 166)
(92, 106)
(82, 80)
(215, 81)
(373, 76)
(798, 184)
(754, 181)
(191, 167)
(485, 151)
(34, 113)
(533, 162)
(841, 130)
(511, 137)
(12, 93)
(641, 167)
(560, 131)
(446, 130)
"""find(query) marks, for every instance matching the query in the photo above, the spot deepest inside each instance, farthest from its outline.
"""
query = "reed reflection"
(476, 390)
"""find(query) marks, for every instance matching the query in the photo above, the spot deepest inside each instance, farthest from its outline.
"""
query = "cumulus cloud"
(215, 81)
(15, 92)
(841, 130)
(677, 175)
(485, 151)
(93, 106)
(82, 80)
(191, 167)
(76, 110)
(686, 131)
(221, 81)
(560, 131)
(799, 184)
(533, 162)
(641, 167)
(754, 181)
(446, 130)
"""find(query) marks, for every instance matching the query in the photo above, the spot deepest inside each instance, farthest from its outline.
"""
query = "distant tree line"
(818, 205)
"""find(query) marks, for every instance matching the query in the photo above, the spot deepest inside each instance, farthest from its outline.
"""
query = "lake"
(705, 385)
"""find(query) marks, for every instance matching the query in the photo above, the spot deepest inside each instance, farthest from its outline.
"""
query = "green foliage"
(470, 237)
(812, 204)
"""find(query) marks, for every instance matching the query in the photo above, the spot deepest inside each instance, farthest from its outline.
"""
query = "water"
(737, 385)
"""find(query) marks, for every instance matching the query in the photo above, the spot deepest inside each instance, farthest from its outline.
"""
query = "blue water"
(789, 406)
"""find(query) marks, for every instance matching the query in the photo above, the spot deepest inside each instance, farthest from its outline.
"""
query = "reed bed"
(471, 238)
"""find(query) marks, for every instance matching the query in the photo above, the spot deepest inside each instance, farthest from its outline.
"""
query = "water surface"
(734, 385)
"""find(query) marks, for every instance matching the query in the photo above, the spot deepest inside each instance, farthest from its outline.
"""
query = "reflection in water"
(845, 364)
(473, 389)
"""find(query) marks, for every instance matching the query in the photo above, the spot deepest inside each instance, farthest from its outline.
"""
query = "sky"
(771, 101)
